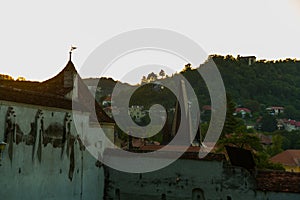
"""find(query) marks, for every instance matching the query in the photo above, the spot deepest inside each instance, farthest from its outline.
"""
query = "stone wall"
(189, 179)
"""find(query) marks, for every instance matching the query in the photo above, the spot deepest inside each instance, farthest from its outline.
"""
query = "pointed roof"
(52, 93)
(32, 97)
(57, 85)
(63, 83)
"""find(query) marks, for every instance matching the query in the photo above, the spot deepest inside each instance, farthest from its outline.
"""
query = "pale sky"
(35, 35)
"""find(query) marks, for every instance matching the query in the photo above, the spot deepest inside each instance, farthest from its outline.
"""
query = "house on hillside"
(291, 125)
(290, 159)
(137, 112)
(206, 108)
(243, 112)
(275, 110)
(265, 140)
(107, 101)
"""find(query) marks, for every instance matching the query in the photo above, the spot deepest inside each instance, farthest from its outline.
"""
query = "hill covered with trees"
(262, 84)
(256, 86)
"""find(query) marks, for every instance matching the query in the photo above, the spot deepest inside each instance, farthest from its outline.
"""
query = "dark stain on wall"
(57, 134)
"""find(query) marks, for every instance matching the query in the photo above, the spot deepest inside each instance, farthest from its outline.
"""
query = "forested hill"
(266, 82)
(256, 86)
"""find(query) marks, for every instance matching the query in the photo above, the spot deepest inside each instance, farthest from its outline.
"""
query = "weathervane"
(71, 50)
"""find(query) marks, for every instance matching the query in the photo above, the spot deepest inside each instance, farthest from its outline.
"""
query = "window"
(198, 194)
(117, 194)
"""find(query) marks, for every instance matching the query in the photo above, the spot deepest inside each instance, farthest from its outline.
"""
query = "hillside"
(265, 82)
(256, 86)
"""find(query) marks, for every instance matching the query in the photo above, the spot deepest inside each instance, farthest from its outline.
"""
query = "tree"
(262, 161)
(5, 77)
(253, 105)
(250, 142)
(276, 146)
(269, 123)
(230, 121)
(20, 78)
(152, 77)
(144, 79)
(162, 73)
(187, 67)
(291, 112)
(242, 140)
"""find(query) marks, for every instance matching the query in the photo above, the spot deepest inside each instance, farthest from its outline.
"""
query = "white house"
(137, 112)
(275, 110)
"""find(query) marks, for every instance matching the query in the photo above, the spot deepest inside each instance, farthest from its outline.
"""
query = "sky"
(35, 36)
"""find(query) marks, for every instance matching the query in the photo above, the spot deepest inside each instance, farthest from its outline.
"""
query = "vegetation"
(5, 77)
(256, 87)
(264, 83)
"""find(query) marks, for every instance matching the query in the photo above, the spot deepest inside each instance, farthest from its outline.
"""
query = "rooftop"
(278, 181)
(52, 93)
(289, 157)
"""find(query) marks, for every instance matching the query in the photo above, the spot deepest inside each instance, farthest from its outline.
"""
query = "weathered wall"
(44, 158)
(188, 179)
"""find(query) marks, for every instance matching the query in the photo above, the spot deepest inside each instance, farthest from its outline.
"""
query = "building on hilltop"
(247, 59)
(275, 110)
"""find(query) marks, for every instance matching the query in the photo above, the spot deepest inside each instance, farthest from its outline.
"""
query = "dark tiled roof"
(33, 98)
(52, 93)
(24, 85)
(169, 148)
(57, 85)
(192, 153)
(278, 181)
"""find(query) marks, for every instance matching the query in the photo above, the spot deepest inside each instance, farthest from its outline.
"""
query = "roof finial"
(71, 50)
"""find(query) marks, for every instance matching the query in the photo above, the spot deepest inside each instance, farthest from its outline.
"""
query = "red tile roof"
(237, 110)
(107, 98)
(264, 139)
(277, 107)
(285, 120)
(258, 120)
(289, 157)
(137, 142)
(206, 107)
(278, 181)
